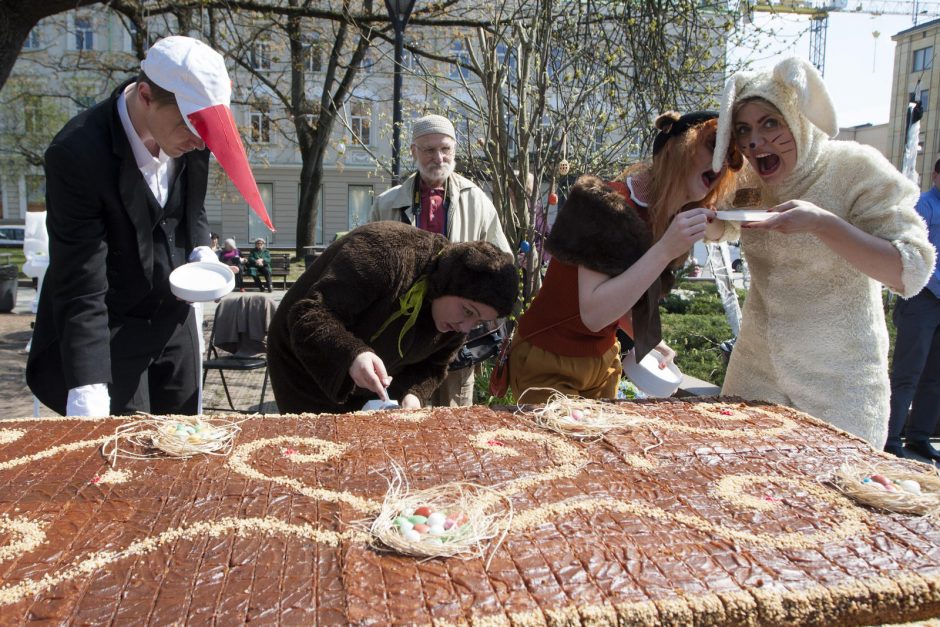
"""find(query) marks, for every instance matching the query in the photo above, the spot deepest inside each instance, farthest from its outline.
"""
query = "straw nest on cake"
(890, 488)
(172, 436)
(452, 520)
(577, 417)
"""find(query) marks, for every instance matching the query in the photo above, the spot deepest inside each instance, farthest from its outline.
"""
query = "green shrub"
(695, 338)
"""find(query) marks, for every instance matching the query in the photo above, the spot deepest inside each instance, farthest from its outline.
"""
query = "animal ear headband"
(793, 86)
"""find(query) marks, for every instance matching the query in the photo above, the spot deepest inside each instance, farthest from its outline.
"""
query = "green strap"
(408, 305)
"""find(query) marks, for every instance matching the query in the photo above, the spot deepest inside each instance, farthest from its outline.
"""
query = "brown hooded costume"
(353, 290)
(601, 230)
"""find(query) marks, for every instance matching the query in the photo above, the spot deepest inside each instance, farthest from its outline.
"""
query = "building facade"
(916, 77)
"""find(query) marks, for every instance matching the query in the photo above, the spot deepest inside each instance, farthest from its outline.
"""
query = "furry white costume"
(814, 335)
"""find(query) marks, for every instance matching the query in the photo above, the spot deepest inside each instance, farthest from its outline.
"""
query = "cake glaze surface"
(708, 513)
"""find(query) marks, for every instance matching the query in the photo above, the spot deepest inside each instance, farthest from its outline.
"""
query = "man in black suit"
(125, 190)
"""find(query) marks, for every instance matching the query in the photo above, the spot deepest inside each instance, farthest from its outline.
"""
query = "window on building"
(368, 62)
(408, 60)
(313, 54)
(923, 59)
(32, 115)
(360, 121)
(84, 102)
(257, 228)
(461, 58)
(3, 198)
(32, 40)
(260, 126)
(359, 205)
(130, 34)
(84, 33)
(924, 99)
(260, 56)
(35, 192)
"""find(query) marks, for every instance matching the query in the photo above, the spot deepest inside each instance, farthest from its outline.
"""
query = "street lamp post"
(399, 11)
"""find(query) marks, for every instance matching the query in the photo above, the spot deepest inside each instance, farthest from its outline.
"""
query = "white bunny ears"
(793, 86)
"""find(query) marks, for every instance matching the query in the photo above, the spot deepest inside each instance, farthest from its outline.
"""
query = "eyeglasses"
(430, 151)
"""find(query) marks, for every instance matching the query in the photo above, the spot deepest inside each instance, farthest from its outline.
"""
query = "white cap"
(196, 75)
(193, 71)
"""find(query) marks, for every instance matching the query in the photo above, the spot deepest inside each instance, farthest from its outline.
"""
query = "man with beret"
(438, 200)
(125, 190)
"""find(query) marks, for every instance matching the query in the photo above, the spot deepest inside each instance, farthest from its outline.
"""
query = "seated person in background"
(214, 244)
(232, 257)
(259, 263)
(387, 306)
(614, 248)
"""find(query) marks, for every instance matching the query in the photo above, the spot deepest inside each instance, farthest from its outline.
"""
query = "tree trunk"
(17, 18)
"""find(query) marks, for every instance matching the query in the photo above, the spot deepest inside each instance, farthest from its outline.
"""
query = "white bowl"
(201, 281)
(649, 377)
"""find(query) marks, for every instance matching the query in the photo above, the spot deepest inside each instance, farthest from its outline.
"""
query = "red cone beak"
(216, 126)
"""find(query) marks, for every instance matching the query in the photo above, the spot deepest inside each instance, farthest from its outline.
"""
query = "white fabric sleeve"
(89, 400)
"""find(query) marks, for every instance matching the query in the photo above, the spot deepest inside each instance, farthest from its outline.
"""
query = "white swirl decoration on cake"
(24, 535)
(324, 451)
(10, 435)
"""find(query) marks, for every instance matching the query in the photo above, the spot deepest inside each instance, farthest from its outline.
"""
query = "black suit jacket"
(101, 248)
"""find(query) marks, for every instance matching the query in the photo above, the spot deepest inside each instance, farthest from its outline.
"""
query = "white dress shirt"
(157, 171)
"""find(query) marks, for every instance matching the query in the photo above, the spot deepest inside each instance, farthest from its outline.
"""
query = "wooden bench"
(280, 266)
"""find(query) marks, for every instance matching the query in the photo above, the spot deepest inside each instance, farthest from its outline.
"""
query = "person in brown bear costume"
(382, 311)
(614, 247)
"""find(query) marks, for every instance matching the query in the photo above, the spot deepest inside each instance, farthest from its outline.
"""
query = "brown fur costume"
(599, 229)
(330, 315)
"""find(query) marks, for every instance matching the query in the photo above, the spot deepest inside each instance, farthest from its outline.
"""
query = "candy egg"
(424, 510)
(434, 541)
(417, 519)
(401, 521)
(437, 530)
(910, 486)
(436, 518)
(422, 528)
(882, 480)
(459, 518)
(577, 414)
(448, 523)
(412, 535)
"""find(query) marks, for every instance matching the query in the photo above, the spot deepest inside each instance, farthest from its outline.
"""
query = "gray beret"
(432, 123)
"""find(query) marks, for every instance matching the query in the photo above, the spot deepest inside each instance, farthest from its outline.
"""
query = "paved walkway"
(16, 401)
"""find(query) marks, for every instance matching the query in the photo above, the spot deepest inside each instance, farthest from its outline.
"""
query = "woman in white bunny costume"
(813, 335)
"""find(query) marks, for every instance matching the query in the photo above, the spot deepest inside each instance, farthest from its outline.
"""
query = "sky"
(858, 64)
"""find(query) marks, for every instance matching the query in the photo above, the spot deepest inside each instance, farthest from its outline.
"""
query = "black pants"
(155, 363)
(915, 369)
(266, 271)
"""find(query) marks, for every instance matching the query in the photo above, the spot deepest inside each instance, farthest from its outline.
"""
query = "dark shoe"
(896, 450)
(269, 290)
(923, 448)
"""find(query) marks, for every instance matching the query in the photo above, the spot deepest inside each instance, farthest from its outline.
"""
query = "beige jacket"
(471, 216)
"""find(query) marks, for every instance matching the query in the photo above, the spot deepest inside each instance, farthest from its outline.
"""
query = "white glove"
(203, 253)
(89, 400)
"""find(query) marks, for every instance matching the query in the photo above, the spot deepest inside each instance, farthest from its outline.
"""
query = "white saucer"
(379, 404)
(747, 215)
(201, 281)
(649, 377)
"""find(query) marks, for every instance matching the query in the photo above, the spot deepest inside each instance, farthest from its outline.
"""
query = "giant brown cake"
(710, 513)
